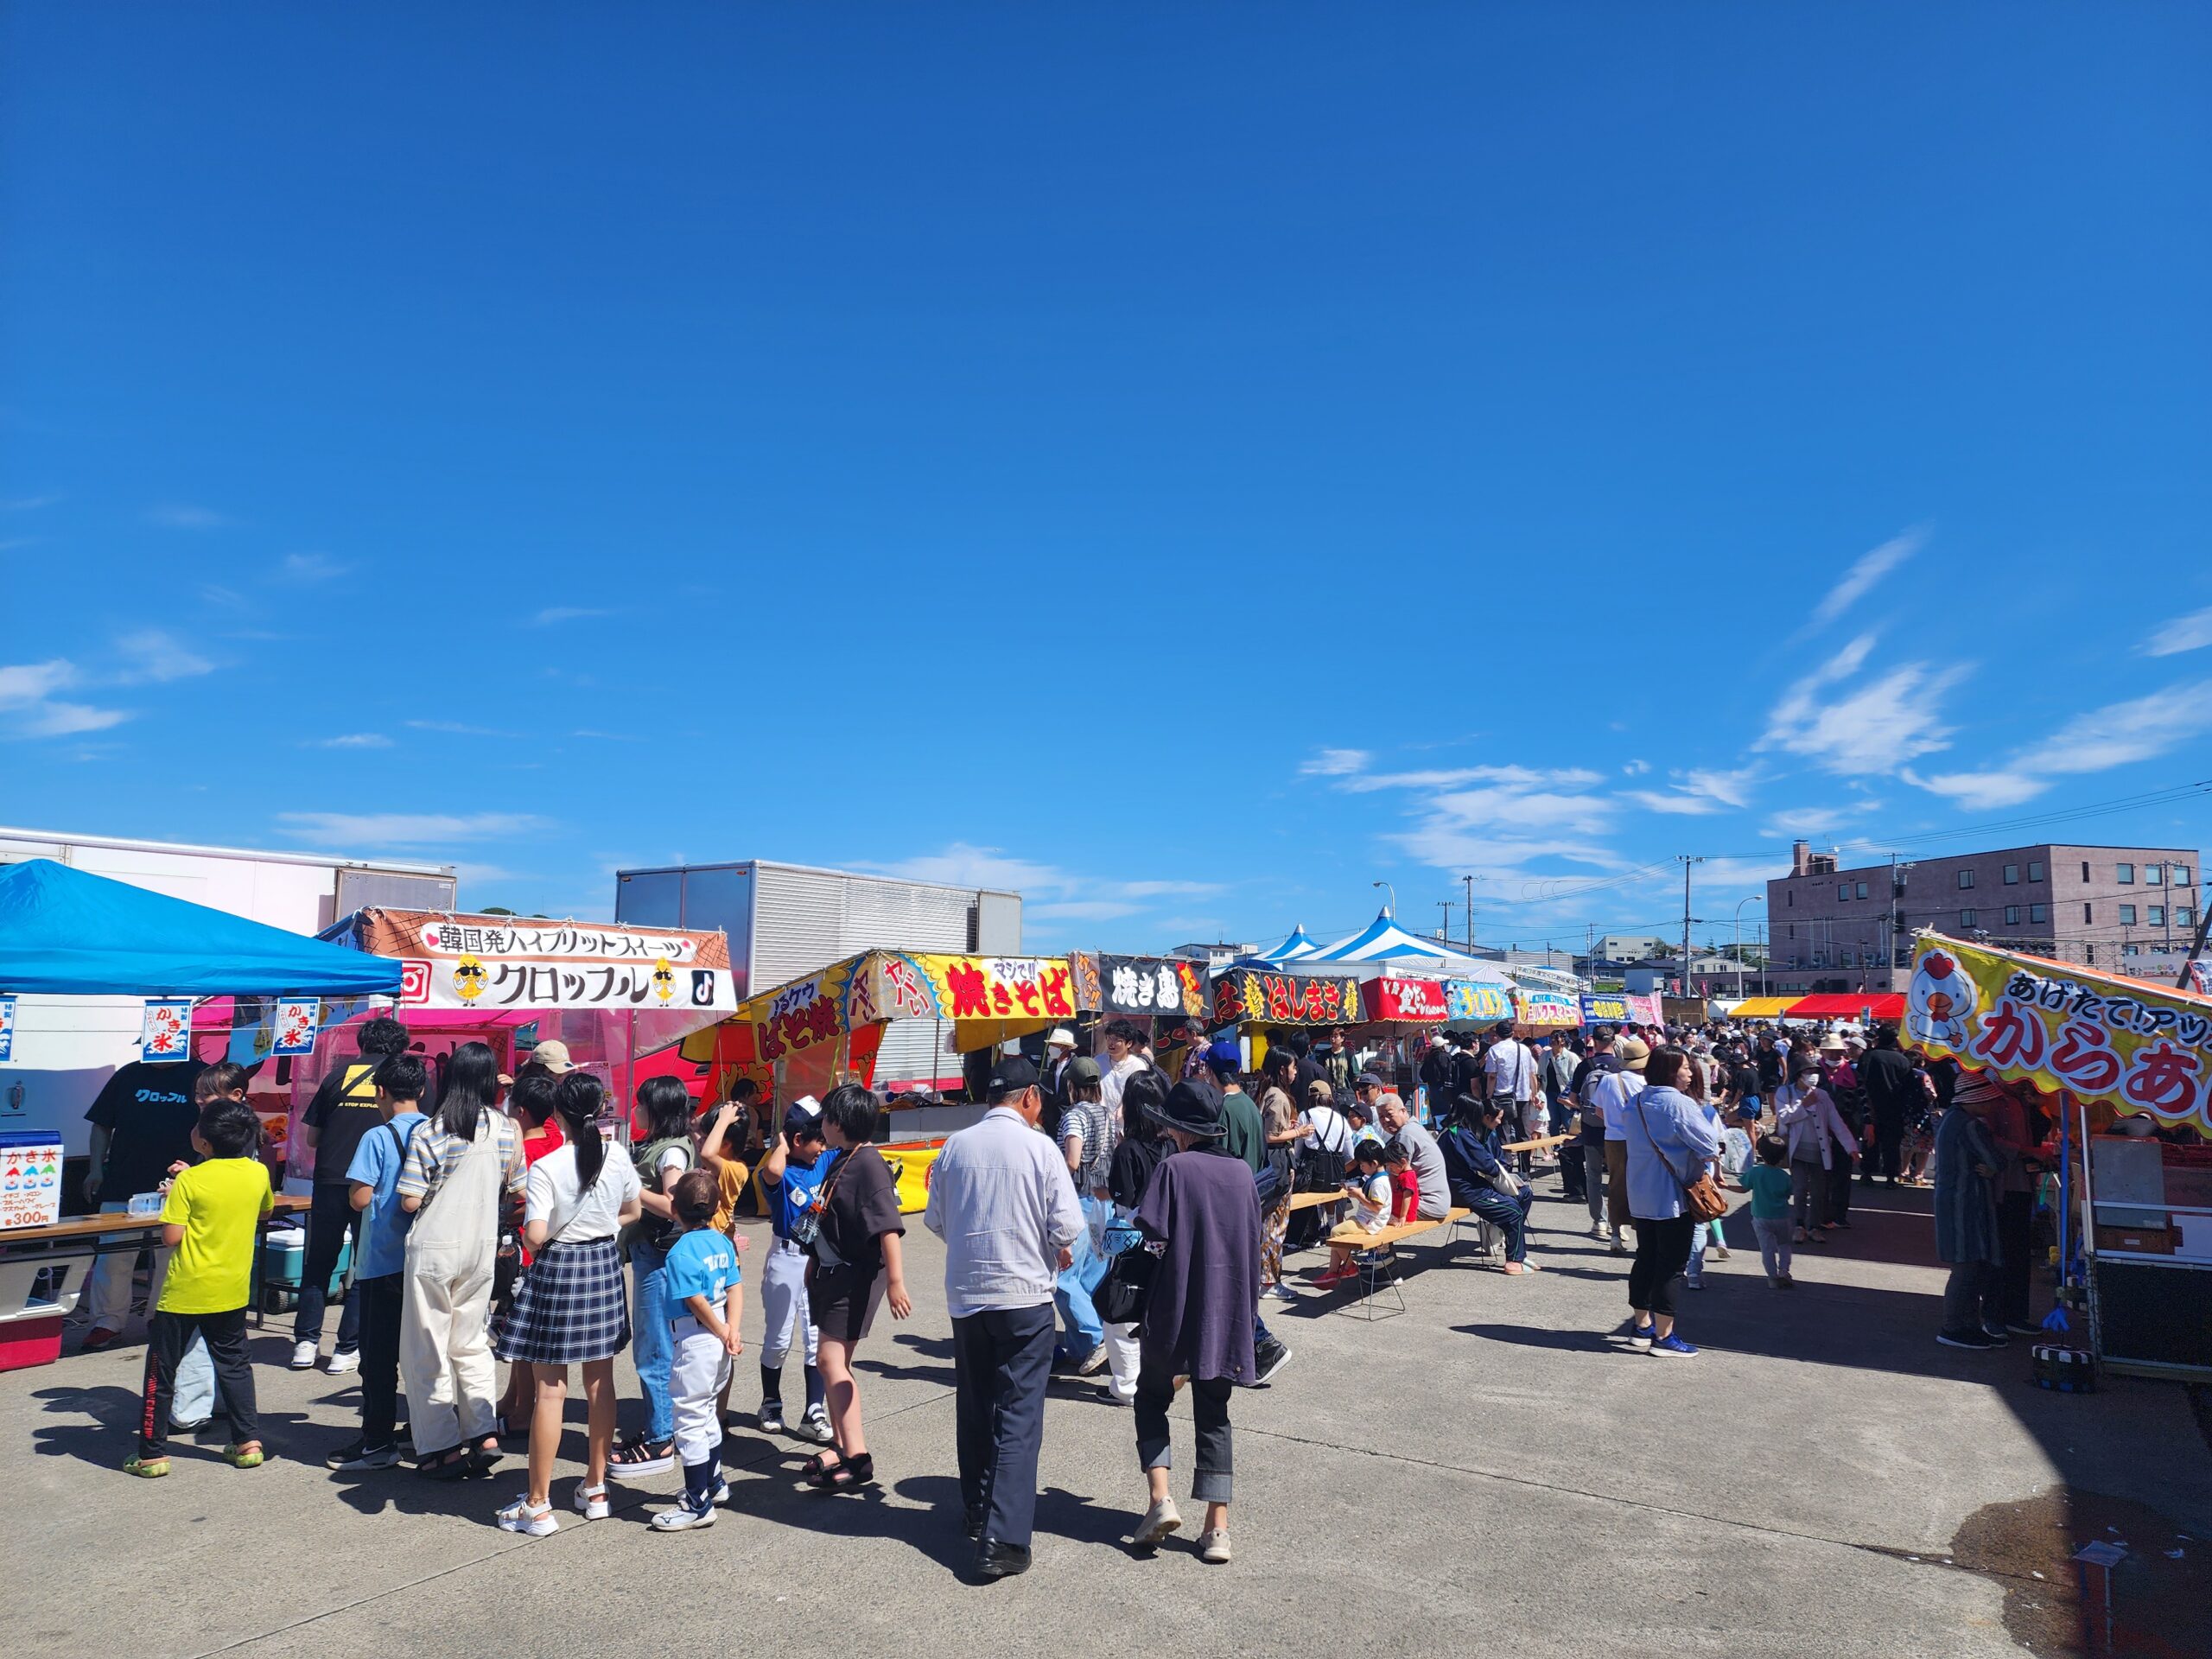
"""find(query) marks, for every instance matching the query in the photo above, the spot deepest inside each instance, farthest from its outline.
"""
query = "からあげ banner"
(2056, 1026)
(496, 962)
(1467, 1003)
(1421, 1001)
(1154, 985)
(1256, 995)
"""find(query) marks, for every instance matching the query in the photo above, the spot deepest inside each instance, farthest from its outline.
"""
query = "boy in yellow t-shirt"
(211, 1219)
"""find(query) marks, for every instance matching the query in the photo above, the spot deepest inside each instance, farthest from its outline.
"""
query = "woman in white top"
(458, 1169)
(1806, 1116)
(571, 1308)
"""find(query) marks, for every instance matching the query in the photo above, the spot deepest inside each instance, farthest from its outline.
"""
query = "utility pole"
(1470, 880)
(1687, 862)
(1444, 905)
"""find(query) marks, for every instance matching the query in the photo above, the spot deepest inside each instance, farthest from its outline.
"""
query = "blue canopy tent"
(1299, 946)
(1383, 941)
(64, 932)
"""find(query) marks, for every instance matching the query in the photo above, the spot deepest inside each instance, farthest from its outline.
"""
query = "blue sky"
(1189, 463)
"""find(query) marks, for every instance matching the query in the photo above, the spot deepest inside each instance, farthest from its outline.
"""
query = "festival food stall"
(1166, 995)
(805, 1037)
(2126, 1067)
(1545, 1000)
(611, 992)
(1258, 1000)
(65, 934)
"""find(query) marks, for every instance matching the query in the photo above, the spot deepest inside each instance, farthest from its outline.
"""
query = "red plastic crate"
(25, 1343)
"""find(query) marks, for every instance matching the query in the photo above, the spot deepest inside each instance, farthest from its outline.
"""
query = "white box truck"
(68, 1047)
(784, 920)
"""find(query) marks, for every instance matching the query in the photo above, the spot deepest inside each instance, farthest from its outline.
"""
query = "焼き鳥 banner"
(1258, 996)
(2056, 1026)
(1157, 985)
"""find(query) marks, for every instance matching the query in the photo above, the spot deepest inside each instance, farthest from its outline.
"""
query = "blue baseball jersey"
(702, 1262)
(796, 1191)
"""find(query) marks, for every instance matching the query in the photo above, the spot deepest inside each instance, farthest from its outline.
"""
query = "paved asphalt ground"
(1492, 1470)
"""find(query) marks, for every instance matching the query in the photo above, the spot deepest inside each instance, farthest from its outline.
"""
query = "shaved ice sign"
(30, 1179)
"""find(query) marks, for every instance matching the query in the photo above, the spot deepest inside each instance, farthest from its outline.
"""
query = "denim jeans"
(1213, 1476)
(1081, 1330)
(652, 1349)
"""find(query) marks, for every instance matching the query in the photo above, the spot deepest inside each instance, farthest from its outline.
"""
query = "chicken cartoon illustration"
(1940, 1001)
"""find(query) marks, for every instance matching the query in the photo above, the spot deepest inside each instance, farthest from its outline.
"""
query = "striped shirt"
(433, 1151)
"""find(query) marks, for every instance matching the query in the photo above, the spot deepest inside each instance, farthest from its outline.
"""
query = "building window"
(2131, 950)
(2035, 870)
(2012, 875)
(1965, 878)
(2184, 916)
(2124, 874)
(1862, 890)
(2090, 955)
(2086, 913)
(2085, 870)
(2181, 875)
(1843, 892)
(1965, 919)
(2039, 912)
(1793, 898)
(2011, 915)
(2154, 875)
(2128, 915)
(2156, 916)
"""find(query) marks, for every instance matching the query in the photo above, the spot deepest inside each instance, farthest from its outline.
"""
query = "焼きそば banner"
(1155, 985)
(1467, 1003)
(1258, 996)
(902, 985)
(495, 963)
(2058, 1027)
(1419, 1001)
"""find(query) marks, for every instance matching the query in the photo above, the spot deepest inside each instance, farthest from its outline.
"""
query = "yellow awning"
(1761, 1007)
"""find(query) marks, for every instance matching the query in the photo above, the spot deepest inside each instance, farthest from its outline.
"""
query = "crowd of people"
(1107, 1214)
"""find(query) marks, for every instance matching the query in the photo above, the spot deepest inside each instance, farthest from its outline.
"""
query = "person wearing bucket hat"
(1202, 1211)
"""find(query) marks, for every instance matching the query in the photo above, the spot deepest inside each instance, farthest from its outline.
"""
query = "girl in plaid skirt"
(572, 1307)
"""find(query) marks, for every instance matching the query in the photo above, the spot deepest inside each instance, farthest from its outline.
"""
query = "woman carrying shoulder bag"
(1667, 1135)
(460, 1167)
(570, 1309)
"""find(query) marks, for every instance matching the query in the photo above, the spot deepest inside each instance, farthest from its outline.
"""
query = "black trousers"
(1887, 1158)
(1838, 1204)
(333, 1215)
(2016, 1214)
(379, 1299)
(167, 1335)
(1663, 1250)
(1571, 1171)
(1001, 1360)
(1213, 1470)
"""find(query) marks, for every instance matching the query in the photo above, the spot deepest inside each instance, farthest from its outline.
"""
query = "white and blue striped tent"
(1297, 947)
(1383, 942)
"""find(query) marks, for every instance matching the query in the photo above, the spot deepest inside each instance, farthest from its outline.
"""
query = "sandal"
(483, 1457)
(241, 1460)
(851, 1473)
(147, 1468)
(818, 1470)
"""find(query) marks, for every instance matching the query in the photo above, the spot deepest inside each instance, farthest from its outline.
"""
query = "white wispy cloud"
(458, 728)
(28, 503)
(2190, 632)
(302, 569)
(376, 830)
(1698, 793)
(553, 614)
(1049, 893)
(30, 709)
(1508, 778)
(352, 741)
(1869, 568)
(1818, 820)
(1081, 909)
(152, 656)
(2118, 735)
(1636, 768)
(1336, 763)
(1872, 727)
(178, 515)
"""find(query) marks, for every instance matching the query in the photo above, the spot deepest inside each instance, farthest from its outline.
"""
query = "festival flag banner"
(1421, 1001)
(2108, 1041)
(297, 1018)
(803, 1013)
(166, 1032)
(1258, 996)
(1469, 1003)
(7, 1029)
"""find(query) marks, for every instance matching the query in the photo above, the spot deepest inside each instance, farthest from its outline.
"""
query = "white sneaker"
(590, 1502)
(1598, 1231)
(340, 1363)
(815, 1427)
(682, 1518)
(535, 1523)
(304, 1355)
(1159, 1521)
(1213, 1548)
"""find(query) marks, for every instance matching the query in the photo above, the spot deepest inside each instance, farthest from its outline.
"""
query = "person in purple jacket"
(1201, 1209)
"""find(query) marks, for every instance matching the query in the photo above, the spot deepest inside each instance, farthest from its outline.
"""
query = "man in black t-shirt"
(142, 1122)
(343, 1111)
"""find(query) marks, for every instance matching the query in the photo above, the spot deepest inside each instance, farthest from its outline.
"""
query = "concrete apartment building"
(2130, 909)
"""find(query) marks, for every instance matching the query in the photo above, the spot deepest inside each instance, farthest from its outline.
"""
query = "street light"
(1754, 899)
(1392, 891)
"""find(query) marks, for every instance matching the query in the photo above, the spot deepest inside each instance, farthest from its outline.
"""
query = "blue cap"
(1225, 1058)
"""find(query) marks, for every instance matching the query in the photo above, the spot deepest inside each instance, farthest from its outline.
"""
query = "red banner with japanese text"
(1420, 1001)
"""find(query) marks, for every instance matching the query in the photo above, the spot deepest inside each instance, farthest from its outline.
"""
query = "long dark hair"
(577, 1101)
(666, 1104)
(472, 1088)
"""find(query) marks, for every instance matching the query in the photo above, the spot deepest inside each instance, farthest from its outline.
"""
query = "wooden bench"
(1315, 1200)
(1376, 1261)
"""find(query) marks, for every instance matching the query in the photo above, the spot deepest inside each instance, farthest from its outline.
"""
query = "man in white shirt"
(1510, 1079)
(1613, 1091)
(1124, 1061)
(1002, 1199)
